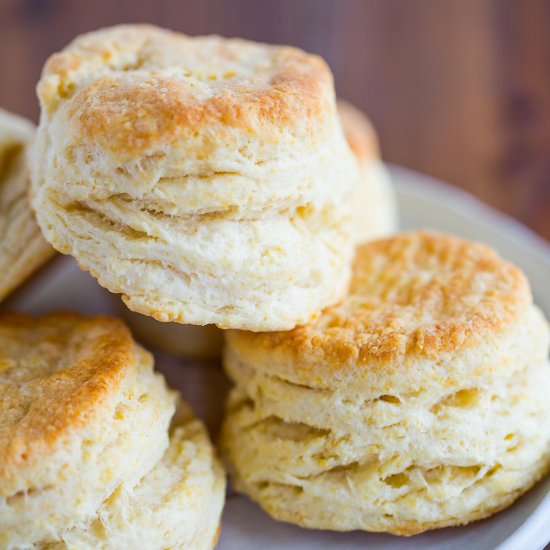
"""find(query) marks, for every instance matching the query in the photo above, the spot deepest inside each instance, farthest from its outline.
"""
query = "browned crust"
(133, 108)
(411, 528)
(217, 535)
(359, 131)
(98, 353)
(416, 294)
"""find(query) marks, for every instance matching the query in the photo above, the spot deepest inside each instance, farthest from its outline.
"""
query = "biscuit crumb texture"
(420, 402)
(23, 249)
(207, 180)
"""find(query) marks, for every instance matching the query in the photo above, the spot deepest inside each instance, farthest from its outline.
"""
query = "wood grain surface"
(459, 89)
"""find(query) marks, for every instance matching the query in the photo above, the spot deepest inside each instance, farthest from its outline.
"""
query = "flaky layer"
(22, 247)
(258, 273)
(400, 460)
(177, 504)
(206, 180)
(82, 411)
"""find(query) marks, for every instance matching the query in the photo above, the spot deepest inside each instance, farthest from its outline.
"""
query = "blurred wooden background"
(459, 89)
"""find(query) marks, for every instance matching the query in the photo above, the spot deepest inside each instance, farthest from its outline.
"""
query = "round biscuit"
(418, 402)
(207, 180)
(81, 411)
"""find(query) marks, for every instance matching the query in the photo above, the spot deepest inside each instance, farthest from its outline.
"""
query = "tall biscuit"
(81, 412)
(22, 247)
(207, 180)
(421, 401)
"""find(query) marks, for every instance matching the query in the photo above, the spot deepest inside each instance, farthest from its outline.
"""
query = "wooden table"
(459, 89)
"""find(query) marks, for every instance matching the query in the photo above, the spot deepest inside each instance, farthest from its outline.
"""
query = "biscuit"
(22, 247)
(207, 180)
(81, 411)
(177, 504)
(374, 212)
(419, 402)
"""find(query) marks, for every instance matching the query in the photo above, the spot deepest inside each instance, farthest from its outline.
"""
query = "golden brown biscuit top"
(133, 86)
(360, 133)
(414, 294)
(55, 372)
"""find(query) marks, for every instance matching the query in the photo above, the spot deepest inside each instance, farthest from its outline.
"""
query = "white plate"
(423, 202)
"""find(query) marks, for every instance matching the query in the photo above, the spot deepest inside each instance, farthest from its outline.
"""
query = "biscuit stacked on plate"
(91, 452)
(420, 401)
(23, 249)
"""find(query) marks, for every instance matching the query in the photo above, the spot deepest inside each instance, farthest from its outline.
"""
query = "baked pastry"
(81, 410)
(83, 419)
(374, 212)
(22, 247)
(205, 179)
(419, 402)
(176, 505)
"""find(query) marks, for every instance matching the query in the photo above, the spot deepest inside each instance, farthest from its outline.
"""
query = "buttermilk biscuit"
(207, 180)
(22, 247)
(81, 411)
(178, 504)
(373, 215)
(374, 212)
(419, 402)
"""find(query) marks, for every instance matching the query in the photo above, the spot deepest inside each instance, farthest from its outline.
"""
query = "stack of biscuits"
(420, 401)
(383, 381)
(95, 451)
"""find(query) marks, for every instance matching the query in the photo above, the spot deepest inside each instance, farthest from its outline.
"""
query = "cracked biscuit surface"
(23, 249)
(207, 180)
(418, 402)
